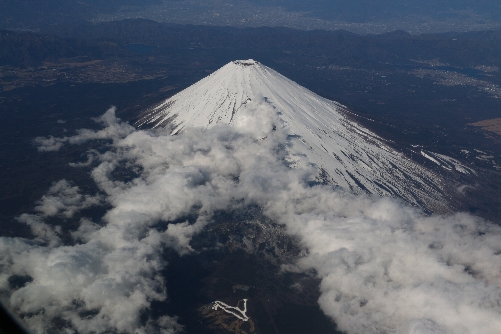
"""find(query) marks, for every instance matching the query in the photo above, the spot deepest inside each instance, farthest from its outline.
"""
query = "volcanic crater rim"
(248, 62)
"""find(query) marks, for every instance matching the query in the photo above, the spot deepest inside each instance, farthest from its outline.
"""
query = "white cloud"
(256, 118)
(63, 199)
(114, 283)
(90, 159)
(114, 130)
(49, 144)
(384, 266)
(85, 231)
(43, 233)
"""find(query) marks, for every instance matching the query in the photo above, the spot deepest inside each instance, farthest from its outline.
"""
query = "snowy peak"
(218, 97)
(319, 134)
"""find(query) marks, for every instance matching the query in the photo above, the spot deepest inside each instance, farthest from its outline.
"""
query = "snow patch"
(447, 162)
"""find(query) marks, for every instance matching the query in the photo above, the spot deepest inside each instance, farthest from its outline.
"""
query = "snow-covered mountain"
(319, 134)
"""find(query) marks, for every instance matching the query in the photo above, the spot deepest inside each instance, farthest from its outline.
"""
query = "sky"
(384, 266)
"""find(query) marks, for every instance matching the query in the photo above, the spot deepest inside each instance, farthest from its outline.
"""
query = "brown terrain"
(491, 125)
(71, 70)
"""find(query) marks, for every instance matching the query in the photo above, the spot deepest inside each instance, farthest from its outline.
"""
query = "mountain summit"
(319, 135)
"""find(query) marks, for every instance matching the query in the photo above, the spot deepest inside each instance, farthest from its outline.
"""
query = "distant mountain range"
(103, 40)
(367, 16)
(380, 10)
(41, 14)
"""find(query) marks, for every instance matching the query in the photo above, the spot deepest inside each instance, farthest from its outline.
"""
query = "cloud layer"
(384, 267)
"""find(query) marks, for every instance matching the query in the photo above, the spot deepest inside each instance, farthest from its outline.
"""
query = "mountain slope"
(320, 136)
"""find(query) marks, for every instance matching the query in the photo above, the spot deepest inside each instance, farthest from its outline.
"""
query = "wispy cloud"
(113, 130)
(63, 199)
